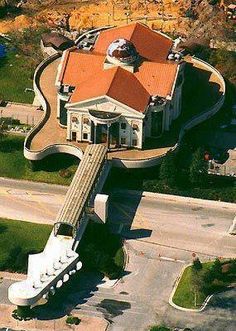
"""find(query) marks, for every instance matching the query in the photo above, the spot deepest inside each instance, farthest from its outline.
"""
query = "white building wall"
(131, 119)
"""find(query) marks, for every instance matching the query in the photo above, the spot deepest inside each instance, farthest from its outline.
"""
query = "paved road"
(161, 235)
(179, 225)
(28, 201)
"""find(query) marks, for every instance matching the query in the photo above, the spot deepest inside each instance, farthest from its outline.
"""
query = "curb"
(126, 262)
(49, 185)
(203, 306)
(21, 104)
(178, 198)
(232, 229)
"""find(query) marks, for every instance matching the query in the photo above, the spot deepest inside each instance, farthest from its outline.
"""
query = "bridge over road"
(49, 269)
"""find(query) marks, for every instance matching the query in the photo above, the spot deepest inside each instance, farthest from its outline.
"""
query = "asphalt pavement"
(160, 234)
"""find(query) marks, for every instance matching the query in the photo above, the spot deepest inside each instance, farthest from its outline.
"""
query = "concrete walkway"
(27, 114)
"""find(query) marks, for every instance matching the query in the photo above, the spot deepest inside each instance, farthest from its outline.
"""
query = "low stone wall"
(51, 149)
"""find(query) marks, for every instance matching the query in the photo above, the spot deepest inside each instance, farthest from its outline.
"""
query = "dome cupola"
(122, 51)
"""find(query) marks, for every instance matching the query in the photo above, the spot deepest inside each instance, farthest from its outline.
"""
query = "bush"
(168, 172)
(73, 320)
(159, 328)
(100, 250)
(119, 258)
(197, 264)
(65, 173)
(213, 2)
(198, 168)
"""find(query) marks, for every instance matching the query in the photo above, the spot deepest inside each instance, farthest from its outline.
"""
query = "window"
(86, 120)
(74, 119)
(85, 136)
(123, 141)
(123, 126)
(134, 142)
(73, 136)
(135, 127)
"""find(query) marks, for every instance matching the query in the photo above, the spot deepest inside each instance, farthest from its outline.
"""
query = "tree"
(197, 264)
(2, 130)
(198, 168)
(216, 269)
(168, 171)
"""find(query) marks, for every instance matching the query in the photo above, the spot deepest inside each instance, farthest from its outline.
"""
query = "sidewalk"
(88, 323)
(12, 276)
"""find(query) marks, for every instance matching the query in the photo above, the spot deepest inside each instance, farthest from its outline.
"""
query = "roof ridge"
(128, 73)
(113, 78)
(135, 25)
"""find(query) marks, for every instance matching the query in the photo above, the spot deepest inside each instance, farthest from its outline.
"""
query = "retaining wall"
(34, 155)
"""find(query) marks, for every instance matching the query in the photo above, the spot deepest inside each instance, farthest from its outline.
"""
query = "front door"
(114, 135)
(101, 133)
(73, 136)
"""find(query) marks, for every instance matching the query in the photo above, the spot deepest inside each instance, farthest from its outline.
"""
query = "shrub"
(197, 264)
(159, 328)
(100, 250)
(168, 172)
(198, 168)
(119, 257)
(216, 269)
(65, 173)
(73, 320)
(213, 2)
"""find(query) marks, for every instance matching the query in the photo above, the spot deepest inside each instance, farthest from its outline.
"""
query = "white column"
(108, 135)
(68, 125)
(95, 133)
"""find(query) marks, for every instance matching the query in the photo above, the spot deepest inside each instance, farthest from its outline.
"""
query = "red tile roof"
(116, 83)
(78, 66)
(156, 75)
(151, 45)
(157, 78)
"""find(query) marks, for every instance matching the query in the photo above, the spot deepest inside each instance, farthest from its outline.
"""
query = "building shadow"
(74, 294)
(225, 300)
(123, 212)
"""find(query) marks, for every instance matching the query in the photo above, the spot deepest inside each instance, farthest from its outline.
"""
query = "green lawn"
(15, 76)
(187, 294)
(49, 170)
(17, 240)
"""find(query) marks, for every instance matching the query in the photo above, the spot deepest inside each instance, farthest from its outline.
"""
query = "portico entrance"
(105, 128)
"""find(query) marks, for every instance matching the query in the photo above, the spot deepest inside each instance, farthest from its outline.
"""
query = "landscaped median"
(198, 282)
